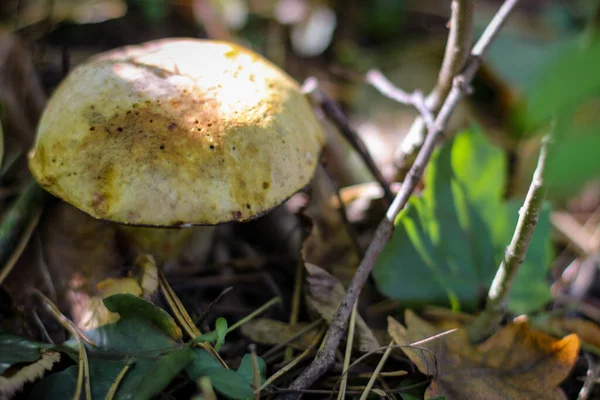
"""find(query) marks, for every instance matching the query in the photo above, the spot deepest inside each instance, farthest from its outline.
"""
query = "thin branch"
(415, 99)
(333, 111)
(338, 325)
(499, 293)
(455, 57)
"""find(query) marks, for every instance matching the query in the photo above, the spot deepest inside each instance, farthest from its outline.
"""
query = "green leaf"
(442, 249)
(15, 349)
(531, 290)
(60, 385)
(162, 373)
(448, 244)
(230, 384)
(566, 81)
(127, 305)
(573, 161)
(246, 369)
(225, 381)
(221, 328)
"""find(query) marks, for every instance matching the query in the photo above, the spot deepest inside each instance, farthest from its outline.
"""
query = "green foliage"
(230, 383)
(221, 329)
(566, 81)
(129, 305)
(567, 92)
(15, 349)
(573, 161)
(448, 244)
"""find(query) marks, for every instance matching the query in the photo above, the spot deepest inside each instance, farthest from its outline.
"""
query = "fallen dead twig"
(338, 325)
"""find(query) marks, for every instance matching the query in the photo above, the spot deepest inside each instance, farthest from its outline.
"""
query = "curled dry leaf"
(324, 293)
(588, 331)
(517, 362)
(272, 332)
(9, 385)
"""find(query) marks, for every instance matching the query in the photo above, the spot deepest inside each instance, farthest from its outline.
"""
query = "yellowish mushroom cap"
(176, 132)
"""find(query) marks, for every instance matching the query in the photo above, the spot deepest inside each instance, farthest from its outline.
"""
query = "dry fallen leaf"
(588, 331)
(516, 363)
(324, 294)
(9, 385)
(271, 332)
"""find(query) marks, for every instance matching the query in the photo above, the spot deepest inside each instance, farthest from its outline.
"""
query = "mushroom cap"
(176, 132)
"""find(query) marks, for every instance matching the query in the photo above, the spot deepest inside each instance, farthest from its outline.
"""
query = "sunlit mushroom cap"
(176, 132)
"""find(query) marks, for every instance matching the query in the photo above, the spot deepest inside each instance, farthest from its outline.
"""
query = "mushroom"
(174, 133)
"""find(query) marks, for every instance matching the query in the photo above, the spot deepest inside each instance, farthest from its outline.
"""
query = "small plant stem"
(182, 316)
(499, 293)
(115, 385)
(455, 57)
(294, 362)
(348, 354)
(376, 372)
(289, 351)
(258, 311)
(83, 367)
(326, 356)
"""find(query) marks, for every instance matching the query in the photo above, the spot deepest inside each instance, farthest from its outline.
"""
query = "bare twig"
(499, 293)
(333, 111)
(338, 325)
(416, 99)
(455, 57)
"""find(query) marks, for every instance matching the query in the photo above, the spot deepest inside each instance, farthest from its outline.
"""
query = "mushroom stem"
(171, 245)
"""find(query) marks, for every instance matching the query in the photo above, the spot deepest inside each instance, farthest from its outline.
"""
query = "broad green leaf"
(442, 249)
(448, 244)
(201, 364)
(221, 329)
(127, 305)
(531, 289)
(246, 369)
(230, 383)
(15, 349)
(130, 337)
(573, 161)
(162, 373)
(566, 81)
(60, 385)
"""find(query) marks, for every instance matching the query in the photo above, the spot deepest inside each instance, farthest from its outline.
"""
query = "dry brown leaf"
(9, 385)
(588, 331)
(272, 332)
(516, 363)
(324, 294)
(80, 252)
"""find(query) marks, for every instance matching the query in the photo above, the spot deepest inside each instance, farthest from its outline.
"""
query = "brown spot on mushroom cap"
(185, 131)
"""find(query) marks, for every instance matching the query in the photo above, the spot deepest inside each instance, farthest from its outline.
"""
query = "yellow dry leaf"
(516, 363)
(272, 332)
(588, 331)
(324, 294)
(9, 385)
(111, 286)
